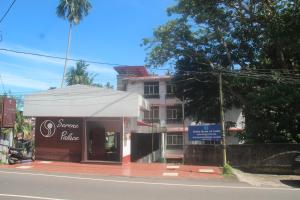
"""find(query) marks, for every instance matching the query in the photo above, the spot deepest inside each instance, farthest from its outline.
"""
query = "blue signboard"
(205, 133)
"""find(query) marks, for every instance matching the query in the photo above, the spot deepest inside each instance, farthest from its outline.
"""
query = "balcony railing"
(151, 96)
(174, 121)
(149, 121)
(170, 96)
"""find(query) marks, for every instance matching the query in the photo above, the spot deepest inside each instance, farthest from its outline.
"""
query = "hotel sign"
(59, 129)
(205, 133)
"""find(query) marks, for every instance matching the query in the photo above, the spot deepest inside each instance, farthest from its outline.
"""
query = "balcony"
(174, 121)
(149, 121)
(170, 96)
(151, 96)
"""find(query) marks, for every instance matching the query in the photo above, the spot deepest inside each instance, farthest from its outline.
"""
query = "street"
(16, 184)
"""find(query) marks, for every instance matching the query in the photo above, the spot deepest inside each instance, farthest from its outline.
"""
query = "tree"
(253, 44)
(22, 125)
(79, 75)
(73, 11)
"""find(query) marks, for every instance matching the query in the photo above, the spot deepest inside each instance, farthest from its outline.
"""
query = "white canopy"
(84, 101)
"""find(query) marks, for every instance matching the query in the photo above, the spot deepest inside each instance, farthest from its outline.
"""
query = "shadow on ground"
(291, 183)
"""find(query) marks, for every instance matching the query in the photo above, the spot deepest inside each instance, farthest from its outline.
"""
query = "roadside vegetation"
(255, 45)
(227, 171)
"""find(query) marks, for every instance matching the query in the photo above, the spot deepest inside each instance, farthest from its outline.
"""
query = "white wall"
(138, 87)
(235, 115)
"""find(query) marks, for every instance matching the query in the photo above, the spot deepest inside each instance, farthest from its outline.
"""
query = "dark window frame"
(174, 114)
(152, 115)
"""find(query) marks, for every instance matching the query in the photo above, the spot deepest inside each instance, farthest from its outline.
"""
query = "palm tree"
(22, 125)
(73, 11)
(79, 75)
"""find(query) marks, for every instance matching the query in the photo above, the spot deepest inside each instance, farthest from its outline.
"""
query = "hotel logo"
(47, 128)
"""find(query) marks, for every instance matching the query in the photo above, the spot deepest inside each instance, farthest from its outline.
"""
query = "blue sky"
(112, 32)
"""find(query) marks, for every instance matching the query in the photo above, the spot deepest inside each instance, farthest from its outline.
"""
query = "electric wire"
(7, 11)
(58, 57)
(293, 76)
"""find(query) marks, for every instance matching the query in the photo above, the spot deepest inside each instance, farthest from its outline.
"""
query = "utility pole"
(67, 54)
(183, 128)
(222, 118)
(152, 139)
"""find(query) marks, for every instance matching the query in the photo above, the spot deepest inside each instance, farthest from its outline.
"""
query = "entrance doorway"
(102, 145)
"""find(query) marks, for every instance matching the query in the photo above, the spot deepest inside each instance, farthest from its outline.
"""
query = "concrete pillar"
(163, 145)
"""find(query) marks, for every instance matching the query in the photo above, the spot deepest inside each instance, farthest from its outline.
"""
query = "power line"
(58, 57)
(5, 14)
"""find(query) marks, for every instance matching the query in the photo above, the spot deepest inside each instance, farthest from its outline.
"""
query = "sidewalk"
(268, 180)
(130, 170)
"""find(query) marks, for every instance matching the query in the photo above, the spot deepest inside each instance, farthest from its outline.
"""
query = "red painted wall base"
(126, 159)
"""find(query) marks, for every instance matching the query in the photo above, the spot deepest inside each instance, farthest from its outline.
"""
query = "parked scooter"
(24, 152)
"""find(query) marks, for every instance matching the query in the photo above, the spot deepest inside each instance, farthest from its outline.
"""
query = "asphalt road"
(15, 185)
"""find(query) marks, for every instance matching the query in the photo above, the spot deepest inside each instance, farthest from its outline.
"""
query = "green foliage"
(73, 10)
(79, 75)
(227, 170)
(273, 115)
(22, 125)
(205, 37)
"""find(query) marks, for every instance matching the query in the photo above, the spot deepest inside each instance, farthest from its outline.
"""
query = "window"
(174, 114)
(152, 115)
(151, 89)
(174, 141)
(171, 89)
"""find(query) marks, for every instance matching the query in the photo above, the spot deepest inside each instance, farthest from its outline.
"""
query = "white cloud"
(29, 71)
(31, 57)
(100, 69)
(19, 81)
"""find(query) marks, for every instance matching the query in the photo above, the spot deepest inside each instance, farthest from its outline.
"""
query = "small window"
(171, 88)
(174, 114)
(174, 141)
(152, 115)
(151, 89)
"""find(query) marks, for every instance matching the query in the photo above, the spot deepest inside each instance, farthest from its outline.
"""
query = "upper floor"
(158, 90)
(166, 109)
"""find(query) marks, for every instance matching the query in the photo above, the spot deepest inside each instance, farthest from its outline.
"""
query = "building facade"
(85, 124)
(166, 111)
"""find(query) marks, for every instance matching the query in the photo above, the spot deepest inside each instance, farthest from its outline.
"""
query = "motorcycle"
(23, 152)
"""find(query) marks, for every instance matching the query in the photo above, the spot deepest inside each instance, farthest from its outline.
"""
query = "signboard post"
(205, 133)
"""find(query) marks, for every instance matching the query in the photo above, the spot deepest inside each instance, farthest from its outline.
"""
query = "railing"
(170, 96)
(149, 121)
(151, 96)
(174, 121)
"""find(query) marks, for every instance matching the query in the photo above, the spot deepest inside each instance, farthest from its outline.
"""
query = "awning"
(142, 123)
(176, 129)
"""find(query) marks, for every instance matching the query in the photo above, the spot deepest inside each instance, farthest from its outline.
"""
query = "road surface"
(16, 185)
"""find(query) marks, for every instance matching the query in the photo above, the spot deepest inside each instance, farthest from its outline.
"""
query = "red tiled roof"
(139, 71)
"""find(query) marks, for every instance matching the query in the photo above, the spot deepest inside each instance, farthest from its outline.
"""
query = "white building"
(166, 109)
(82, 123)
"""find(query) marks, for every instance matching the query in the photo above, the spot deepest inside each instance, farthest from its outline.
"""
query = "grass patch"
(227, 170)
